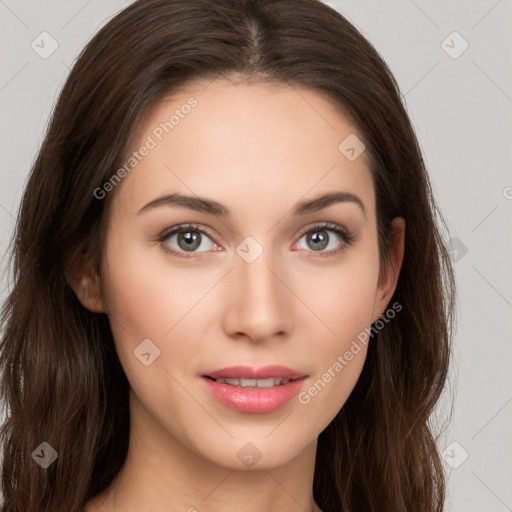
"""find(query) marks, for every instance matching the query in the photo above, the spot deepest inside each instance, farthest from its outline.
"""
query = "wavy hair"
(61, 379)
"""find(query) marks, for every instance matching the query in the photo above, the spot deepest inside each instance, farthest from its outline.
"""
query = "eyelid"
(166, 233)
(325, 225)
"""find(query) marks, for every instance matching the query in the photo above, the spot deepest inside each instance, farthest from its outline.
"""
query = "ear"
(85, 282)
(388, 276)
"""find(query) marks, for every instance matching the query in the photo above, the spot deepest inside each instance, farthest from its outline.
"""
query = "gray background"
(461, 108)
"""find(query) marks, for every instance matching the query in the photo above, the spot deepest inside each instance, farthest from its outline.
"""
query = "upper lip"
(252, 372)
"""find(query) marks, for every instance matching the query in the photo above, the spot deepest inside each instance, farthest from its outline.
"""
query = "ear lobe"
(89, 294)
(388, 277)
(85, 282)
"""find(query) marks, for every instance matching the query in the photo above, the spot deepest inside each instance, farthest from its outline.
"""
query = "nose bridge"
(257, 305)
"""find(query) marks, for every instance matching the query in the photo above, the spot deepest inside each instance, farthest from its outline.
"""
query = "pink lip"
(253, 399)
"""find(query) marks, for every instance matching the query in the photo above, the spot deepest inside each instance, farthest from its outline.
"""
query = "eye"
(184, 239)
(318, 239)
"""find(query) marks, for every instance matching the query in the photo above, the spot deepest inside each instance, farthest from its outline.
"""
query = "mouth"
(254, 390)
(254, 373)
(254, 383)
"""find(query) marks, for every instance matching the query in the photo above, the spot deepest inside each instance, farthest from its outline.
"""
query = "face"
(247, 272)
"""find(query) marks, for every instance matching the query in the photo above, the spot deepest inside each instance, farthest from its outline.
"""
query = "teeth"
(260, 383)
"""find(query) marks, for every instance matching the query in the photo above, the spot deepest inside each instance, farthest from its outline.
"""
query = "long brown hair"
(62, 382)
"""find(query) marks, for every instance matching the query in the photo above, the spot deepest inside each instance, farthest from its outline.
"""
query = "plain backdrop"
(453, 62)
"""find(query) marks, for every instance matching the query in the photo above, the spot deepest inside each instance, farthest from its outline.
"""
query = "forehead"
(247, 145)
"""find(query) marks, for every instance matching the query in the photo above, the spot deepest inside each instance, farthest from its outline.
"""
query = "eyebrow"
(211, 207)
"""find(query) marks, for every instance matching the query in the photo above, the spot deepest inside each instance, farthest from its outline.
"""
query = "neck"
(162, 473)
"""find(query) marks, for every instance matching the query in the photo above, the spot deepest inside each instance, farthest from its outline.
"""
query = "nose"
(258, 302)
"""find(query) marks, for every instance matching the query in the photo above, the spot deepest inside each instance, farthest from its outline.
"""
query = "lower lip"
(254, 400)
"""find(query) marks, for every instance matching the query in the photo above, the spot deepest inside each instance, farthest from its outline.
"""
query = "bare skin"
(258, 149)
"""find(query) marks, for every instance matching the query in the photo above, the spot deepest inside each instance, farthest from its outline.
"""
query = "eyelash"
(347, 238)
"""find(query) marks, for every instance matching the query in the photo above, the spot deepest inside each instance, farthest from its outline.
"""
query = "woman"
(230, 290)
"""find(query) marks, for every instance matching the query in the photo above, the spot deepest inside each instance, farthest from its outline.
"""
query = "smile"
(259, 383)
(254, 390)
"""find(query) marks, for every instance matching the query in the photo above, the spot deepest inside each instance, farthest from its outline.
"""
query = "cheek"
(145, 300)
(340, 354)
(343, 300)
(341, 295)
(146, 293)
